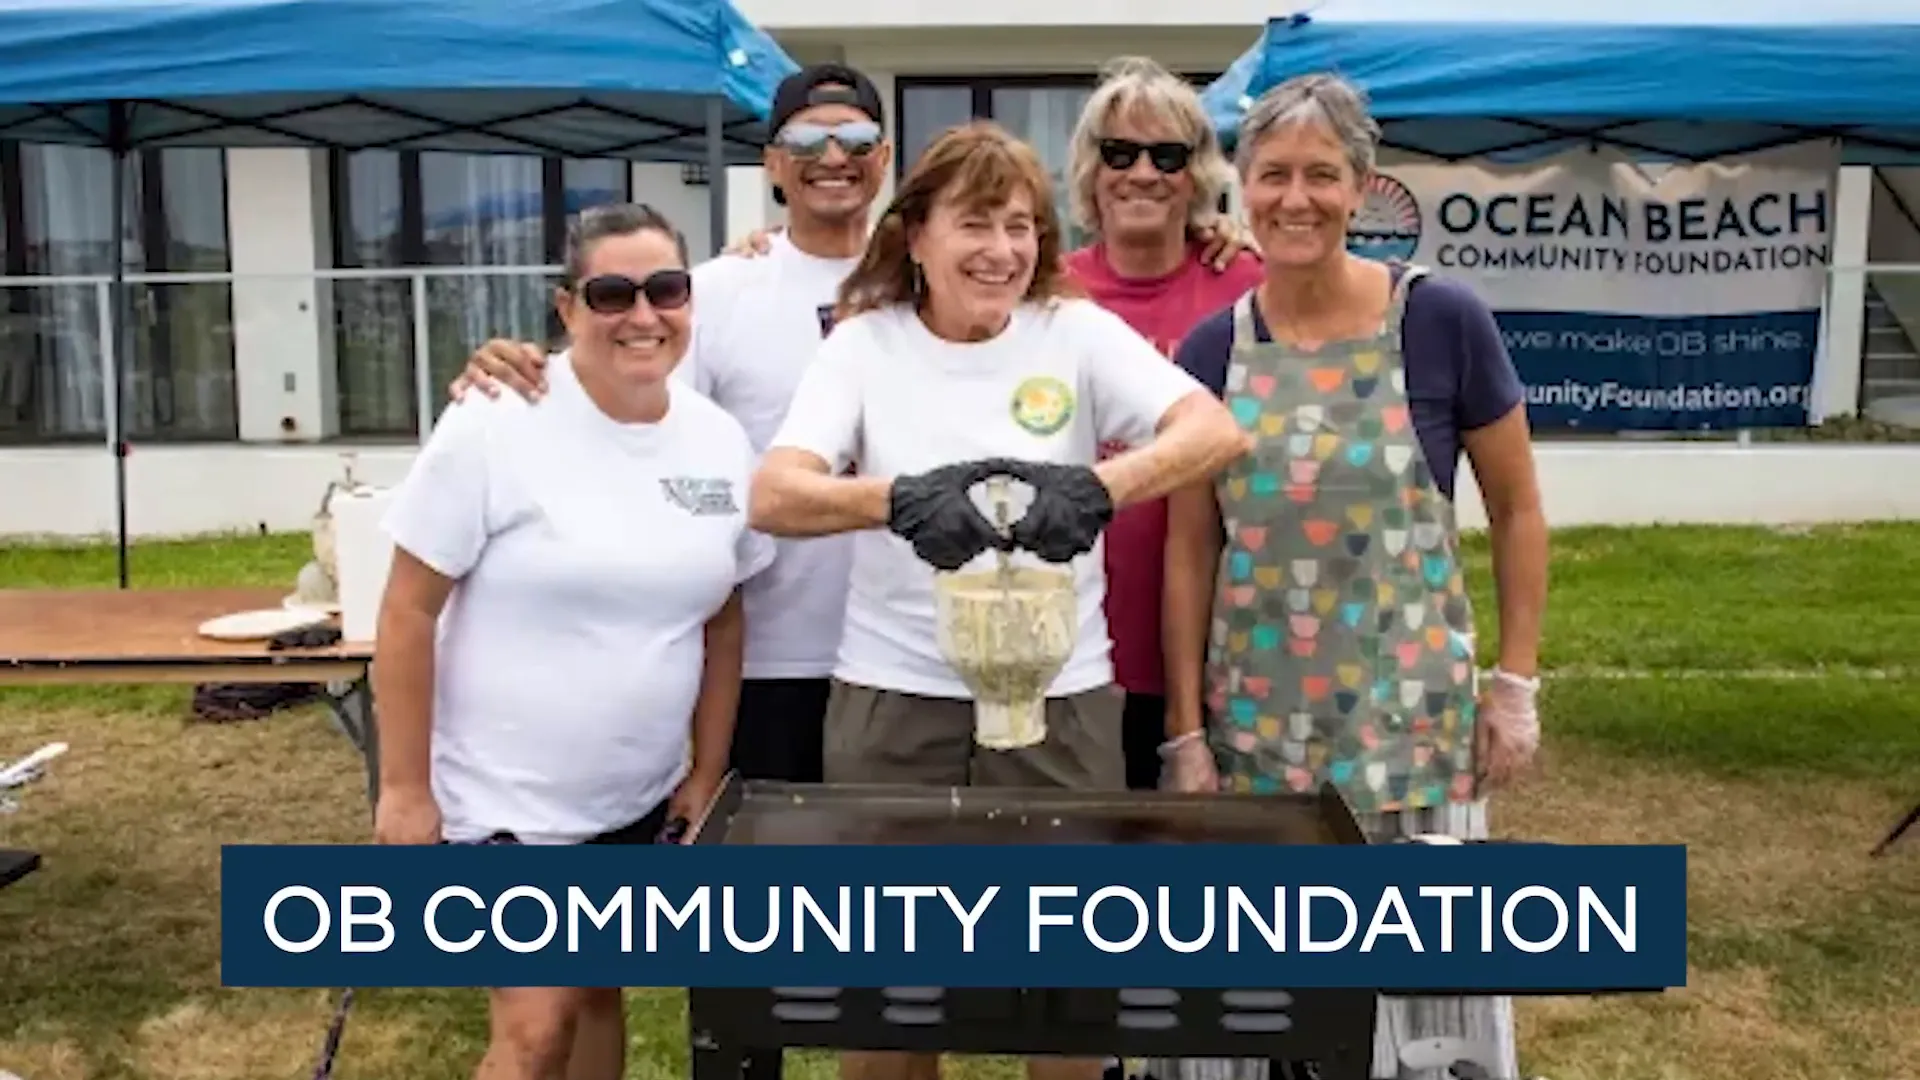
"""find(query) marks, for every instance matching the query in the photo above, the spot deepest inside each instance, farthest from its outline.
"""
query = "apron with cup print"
(1341, 645)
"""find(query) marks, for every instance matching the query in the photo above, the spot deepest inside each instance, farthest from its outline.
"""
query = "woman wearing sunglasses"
(758, 325)
(559, 646)
(961, 339)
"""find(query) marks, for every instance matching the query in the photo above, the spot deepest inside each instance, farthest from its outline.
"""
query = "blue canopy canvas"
(583, 78)
(1686, 79)
(644, 80)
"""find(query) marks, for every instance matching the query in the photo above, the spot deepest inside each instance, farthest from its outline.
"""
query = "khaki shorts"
(886, 737)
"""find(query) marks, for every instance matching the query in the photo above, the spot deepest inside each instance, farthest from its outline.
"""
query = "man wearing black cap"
(807, 107)
(757, 322)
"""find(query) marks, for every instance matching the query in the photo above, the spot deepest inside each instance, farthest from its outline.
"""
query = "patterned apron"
(1342, 638)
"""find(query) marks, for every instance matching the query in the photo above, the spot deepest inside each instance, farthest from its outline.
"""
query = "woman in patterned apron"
(1316, 612)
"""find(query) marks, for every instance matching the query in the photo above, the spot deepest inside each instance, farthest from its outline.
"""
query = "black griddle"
(737, 1033)
(768, 812)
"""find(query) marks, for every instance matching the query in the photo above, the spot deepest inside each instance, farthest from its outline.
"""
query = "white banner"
(1630, 295)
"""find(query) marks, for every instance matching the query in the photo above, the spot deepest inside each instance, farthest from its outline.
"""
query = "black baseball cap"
(822, 84)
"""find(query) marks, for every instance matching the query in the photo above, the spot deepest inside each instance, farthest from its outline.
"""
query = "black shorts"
(644, 831)
(1143, 728)
(778, 732)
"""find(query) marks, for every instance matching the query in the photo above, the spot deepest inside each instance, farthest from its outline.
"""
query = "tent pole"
(716, 176)
(121, 313)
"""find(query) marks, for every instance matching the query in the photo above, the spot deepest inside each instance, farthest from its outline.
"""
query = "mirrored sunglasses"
(614, 294)
(1168, 157)
(857, 138)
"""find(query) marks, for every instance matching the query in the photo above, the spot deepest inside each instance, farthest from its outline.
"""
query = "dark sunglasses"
(614, 294)
(1168, 157)
(857, 137)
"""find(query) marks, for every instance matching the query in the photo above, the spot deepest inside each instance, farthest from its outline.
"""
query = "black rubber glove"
(934, 512)
(1070, 508)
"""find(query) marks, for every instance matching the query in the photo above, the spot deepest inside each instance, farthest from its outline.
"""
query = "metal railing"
(58, 346)
(1889, 333)
(375, 348)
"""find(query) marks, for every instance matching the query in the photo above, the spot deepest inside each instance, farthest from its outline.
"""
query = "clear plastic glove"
(1508, 732)
(1186, 764)
(1070, 508)
(934, 512)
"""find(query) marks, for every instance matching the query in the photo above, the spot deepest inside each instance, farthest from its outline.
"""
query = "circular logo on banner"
(1042, 404)
(1387, 225)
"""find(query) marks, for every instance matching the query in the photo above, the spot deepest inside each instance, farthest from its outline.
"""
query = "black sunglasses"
(1168, 157)
(857, 137)
(614, 294)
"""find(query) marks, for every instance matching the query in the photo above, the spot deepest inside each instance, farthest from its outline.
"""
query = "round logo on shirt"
(1042, 404)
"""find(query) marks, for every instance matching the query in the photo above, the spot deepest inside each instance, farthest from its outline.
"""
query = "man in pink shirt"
(1147, 177)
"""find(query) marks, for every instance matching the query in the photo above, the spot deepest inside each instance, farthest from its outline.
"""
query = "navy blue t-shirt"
(1459, 376)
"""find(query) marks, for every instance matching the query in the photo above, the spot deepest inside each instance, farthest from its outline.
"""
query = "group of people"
(704, 535)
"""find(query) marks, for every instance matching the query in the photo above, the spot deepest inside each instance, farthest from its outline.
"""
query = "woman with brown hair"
(962, 350)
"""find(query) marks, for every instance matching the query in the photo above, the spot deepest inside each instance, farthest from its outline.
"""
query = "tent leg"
(121, 312)
(716, 176)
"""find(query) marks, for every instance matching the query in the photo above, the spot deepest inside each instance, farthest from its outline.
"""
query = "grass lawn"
(1754, 694)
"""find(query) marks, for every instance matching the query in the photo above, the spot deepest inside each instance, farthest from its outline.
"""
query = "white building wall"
(278, 200)
(277, 224)
(175, 491)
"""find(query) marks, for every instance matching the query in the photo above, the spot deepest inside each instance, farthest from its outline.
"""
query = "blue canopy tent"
(1681, 79)
(643, 80)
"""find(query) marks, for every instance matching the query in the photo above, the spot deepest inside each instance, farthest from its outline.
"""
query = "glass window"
(595, 182)
(1045, 117)
(373, 317)
(396, 210)
(1043, 112)
(182, 385)
(56, 203)
(926, 111)
(1040, 109)
(482, 210)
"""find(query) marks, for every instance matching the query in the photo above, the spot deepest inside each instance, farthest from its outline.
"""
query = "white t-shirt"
(887, 395)
(757, 324)
(590, 555)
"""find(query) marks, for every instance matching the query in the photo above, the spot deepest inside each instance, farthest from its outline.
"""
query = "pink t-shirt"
(1163, 310)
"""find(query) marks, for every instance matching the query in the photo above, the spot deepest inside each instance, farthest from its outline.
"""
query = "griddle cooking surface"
(789, 814)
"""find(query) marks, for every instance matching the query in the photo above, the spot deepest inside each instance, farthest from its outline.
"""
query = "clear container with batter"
(1007, 632)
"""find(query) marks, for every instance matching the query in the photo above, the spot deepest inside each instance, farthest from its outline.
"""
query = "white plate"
(259, 625)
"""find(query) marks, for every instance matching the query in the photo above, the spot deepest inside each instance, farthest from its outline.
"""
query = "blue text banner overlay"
(1516, 918)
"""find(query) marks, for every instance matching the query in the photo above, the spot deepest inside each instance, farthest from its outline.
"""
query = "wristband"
(1173, 745)
(1518, 682)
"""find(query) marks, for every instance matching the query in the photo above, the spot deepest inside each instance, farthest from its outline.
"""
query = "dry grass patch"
(1761, 853)
(118, 936)
(43, 1059)
(1804, 949)
(1724, 1024)
(239, 1036)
